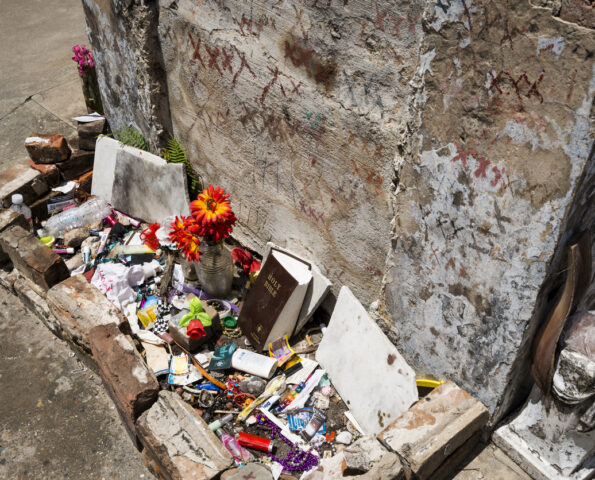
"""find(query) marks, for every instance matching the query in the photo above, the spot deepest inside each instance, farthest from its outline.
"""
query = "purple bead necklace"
(296, 459)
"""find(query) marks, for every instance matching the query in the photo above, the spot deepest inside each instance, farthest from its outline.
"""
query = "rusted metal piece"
(577, 281)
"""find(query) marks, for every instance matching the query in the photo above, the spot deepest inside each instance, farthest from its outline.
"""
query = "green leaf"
(173, 152)
(204, 319)
(132, 137)
(195, 306)
(186, 319)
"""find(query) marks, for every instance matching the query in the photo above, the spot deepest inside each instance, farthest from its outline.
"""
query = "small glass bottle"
(237, 451)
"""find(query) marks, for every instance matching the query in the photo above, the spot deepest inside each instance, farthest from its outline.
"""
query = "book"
(272, 306)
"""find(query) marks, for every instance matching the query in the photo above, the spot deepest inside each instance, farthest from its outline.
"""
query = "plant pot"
(215, 269)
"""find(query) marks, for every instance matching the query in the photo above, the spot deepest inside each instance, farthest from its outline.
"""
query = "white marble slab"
(139, 183)
(367, 370)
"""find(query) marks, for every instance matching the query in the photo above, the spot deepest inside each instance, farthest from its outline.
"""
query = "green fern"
(174, 153)
(132, 137)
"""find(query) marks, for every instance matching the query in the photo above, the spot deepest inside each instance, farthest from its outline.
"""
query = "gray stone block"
(180, 441)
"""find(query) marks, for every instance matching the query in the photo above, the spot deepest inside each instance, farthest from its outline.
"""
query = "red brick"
(80, 162)
(433, 428)
(8, 218)
(51, 149)
(88, 133)
(24, 180)
(132, 386)
(49, 171)
(79, 307)
(33, 259)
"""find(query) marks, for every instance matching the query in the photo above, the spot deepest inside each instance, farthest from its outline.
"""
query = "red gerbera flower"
(212, 206)
(184, 233)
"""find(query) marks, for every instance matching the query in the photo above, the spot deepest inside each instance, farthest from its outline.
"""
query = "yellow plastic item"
(147, 315)
(428, 383)
(48, 241)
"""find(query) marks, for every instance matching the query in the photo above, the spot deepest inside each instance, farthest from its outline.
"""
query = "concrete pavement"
(39, 85)
(56, 420)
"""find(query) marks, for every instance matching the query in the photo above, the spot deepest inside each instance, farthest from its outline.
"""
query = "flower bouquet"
(86, 66)
(200, 238)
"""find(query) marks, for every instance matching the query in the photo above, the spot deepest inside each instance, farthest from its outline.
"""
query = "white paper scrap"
(308, 366)
(66, 188)
(92, 117)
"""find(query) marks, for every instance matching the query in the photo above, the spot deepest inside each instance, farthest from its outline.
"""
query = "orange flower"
(212, 206)
(184, 233)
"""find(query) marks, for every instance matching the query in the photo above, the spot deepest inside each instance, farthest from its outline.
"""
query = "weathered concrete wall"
(505, 99)
(123, 36)
(423, 153)
(296, 108)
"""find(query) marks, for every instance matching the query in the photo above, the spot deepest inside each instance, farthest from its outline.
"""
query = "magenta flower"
(84, 58)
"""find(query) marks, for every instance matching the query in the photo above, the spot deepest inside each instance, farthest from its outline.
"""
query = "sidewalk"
(39, 85)
(56, 420)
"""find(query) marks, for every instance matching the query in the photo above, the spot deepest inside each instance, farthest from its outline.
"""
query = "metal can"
(255, 442)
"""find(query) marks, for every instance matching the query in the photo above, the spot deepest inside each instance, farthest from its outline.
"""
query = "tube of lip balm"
(86, 254)
(135, 223)
(103, 240)
(64, 251)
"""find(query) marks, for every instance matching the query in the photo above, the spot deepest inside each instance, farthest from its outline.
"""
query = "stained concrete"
(39, 85)
(491, 463)
(56, 420)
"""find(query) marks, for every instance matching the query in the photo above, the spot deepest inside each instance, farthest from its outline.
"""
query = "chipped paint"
(555, 44)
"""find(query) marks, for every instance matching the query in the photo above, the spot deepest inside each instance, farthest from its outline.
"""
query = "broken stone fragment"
(180, 441)
(21, 179)
(88, 133)
(9, 218)
(252, 471)
(75, 237)
(355, 463)
(47, 148)
(32, 258)
(49, 171)
(344, 437)
(366, 459)
(433, 428)
(74, 262)
(79, 163)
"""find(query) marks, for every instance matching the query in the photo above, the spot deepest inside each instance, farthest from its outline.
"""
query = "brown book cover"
(269, 306)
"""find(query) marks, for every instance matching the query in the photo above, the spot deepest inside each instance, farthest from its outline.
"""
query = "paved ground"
(491, 464)
(39, 85)
(56, 420)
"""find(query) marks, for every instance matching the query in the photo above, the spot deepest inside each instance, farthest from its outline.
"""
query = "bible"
(274, 302)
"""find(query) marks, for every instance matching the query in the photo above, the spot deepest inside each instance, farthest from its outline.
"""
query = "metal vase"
(215, 269)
